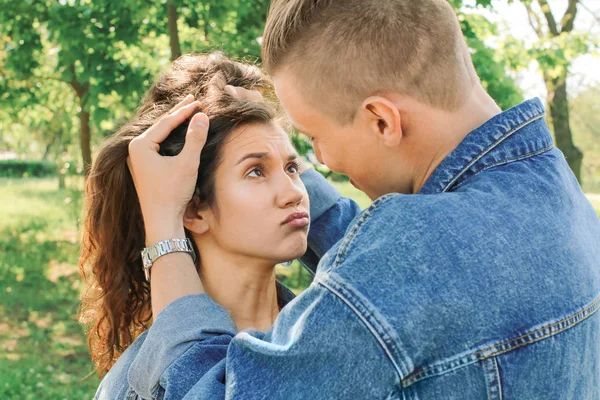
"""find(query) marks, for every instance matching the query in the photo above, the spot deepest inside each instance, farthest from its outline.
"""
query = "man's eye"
(293, 168)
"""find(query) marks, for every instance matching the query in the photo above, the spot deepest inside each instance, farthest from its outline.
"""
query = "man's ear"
(196, 221)
(384, 119)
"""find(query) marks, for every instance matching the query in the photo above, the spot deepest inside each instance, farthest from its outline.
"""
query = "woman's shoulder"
(115, 385)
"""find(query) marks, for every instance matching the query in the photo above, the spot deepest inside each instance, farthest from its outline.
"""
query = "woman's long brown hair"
(116, 305)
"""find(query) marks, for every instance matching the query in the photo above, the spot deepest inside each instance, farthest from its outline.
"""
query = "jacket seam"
(508, 161)
(490, 148)
(349, 237)
(492, 378)
(373, 330)
(506, 346)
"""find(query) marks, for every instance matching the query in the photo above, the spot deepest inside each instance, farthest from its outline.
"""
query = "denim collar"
(509, 136)
(284, 295)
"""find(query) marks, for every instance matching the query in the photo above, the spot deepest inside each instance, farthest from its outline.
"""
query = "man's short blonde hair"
(342, 51)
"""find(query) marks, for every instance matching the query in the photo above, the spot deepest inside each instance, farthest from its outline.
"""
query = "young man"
(475, 274)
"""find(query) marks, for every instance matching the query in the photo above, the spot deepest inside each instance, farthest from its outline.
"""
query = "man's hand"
(165, 185)
(244, 94)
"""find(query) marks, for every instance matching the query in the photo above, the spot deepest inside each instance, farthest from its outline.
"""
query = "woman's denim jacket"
(485, 285)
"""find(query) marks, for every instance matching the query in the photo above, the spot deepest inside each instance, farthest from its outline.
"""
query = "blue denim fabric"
(485, 285)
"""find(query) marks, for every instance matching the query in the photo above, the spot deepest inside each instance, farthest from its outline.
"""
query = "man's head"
(351, 64)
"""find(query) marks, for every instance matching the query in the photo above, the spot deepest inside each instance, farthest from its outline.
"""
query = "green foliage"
(490, 66)
(232, 26)
(555, 54)
(25, 169)
(87, 40)
(557, 44)
(490, 63)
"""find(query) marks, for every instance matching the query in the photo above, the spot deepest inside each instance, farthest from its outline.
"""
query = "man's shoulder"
(397, 214)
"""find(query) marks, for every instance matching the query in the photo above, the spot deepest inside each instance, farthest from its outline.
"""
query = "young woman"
(249, 212)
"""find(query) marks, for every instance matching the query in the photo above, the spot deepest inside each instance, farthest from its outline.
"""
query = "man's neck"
(246, 287)
(442, 132)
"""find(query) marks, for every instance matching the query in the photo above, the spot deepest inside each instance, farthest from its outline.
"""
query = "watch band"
(152, 253)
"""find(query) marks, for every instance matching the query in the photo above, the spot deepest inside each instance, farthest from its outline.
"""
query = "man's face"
(346, 149)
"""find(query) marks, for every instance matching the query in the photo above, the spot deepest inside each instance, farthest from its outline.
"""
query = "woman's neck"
(245, 287)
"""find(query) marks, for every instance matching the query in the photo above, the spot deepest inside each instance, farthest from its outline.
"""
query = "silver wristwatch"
(152, 253)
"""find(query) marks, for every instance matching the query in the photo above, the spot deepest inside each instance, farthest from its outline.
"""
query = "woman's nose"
(290, 193)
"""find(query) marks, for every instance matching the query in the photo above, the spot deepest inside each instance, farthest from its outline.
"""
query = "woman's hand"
(165, 185)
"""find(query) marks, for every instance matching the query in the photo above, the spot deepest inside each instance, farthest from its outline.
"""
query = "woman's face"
(261, 204)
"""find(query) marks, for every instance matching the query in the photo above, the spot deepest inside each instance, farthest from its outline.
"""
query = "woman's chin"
(292, 254)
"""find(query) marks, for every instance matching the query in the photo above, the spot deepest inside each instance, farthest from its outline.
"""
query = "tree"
(173, 31)
(88, 42)
(557, 46)
(585, 121)
(233, 26)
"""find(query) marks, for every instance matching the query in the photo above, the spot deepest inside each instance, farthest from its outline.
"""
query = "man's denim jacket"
(485, 285)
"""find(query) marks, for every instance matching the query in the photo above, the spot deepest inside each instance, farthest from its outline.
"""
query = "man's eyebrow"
(264, 156)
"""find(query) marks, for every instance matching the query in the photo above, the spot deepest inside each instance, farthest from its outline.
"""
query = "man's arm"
(331, 214)
(319, 348)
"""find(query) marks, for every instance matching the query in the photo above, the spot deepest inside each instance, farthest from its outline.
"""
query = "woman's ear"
(384, 119)
(195, 221)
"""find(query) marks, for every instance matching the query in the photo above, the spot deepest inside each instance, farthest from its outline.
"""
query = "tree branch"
(586, 8)
(547, 11)
(569, 18)
(534, 20)
(80, 89)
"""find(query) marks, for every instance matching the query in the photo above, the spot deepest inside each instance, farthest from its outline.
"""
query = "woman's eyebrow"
(265, 156)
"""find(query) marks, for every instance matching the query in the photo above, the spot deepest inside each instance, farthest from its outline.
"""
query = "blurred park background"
(72, 71)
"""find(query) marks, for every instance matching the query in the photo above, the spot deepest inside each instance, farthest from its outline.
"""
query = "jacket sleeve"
(331, 214)
(318, 348)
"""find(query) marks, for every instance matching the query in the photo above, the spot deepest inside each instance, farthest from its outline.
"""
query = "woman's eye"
(256, 173)
(293, 168)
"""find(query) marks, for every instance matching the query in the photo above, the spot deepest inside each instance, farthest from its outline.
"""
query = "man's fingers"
(194, 141)
(163, 128)
(230, 90)
(244, 94)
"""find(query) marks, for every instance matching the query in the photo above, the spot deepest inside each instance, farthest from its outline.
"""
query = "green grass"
(43, 350)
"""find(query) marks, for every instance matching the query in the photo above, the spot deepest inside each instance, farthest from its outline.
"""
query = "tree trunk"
(84, 120)
(48, 146)
(559, 111)
(85, 140)
(173, 33)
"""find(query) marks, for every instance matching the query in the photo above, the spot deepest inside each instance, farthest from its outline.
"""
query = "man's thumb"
(195, 139)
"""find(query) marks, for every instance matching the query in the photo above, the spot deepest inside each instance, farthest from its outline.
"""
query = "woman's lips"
(299, 223)
(297, 220)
